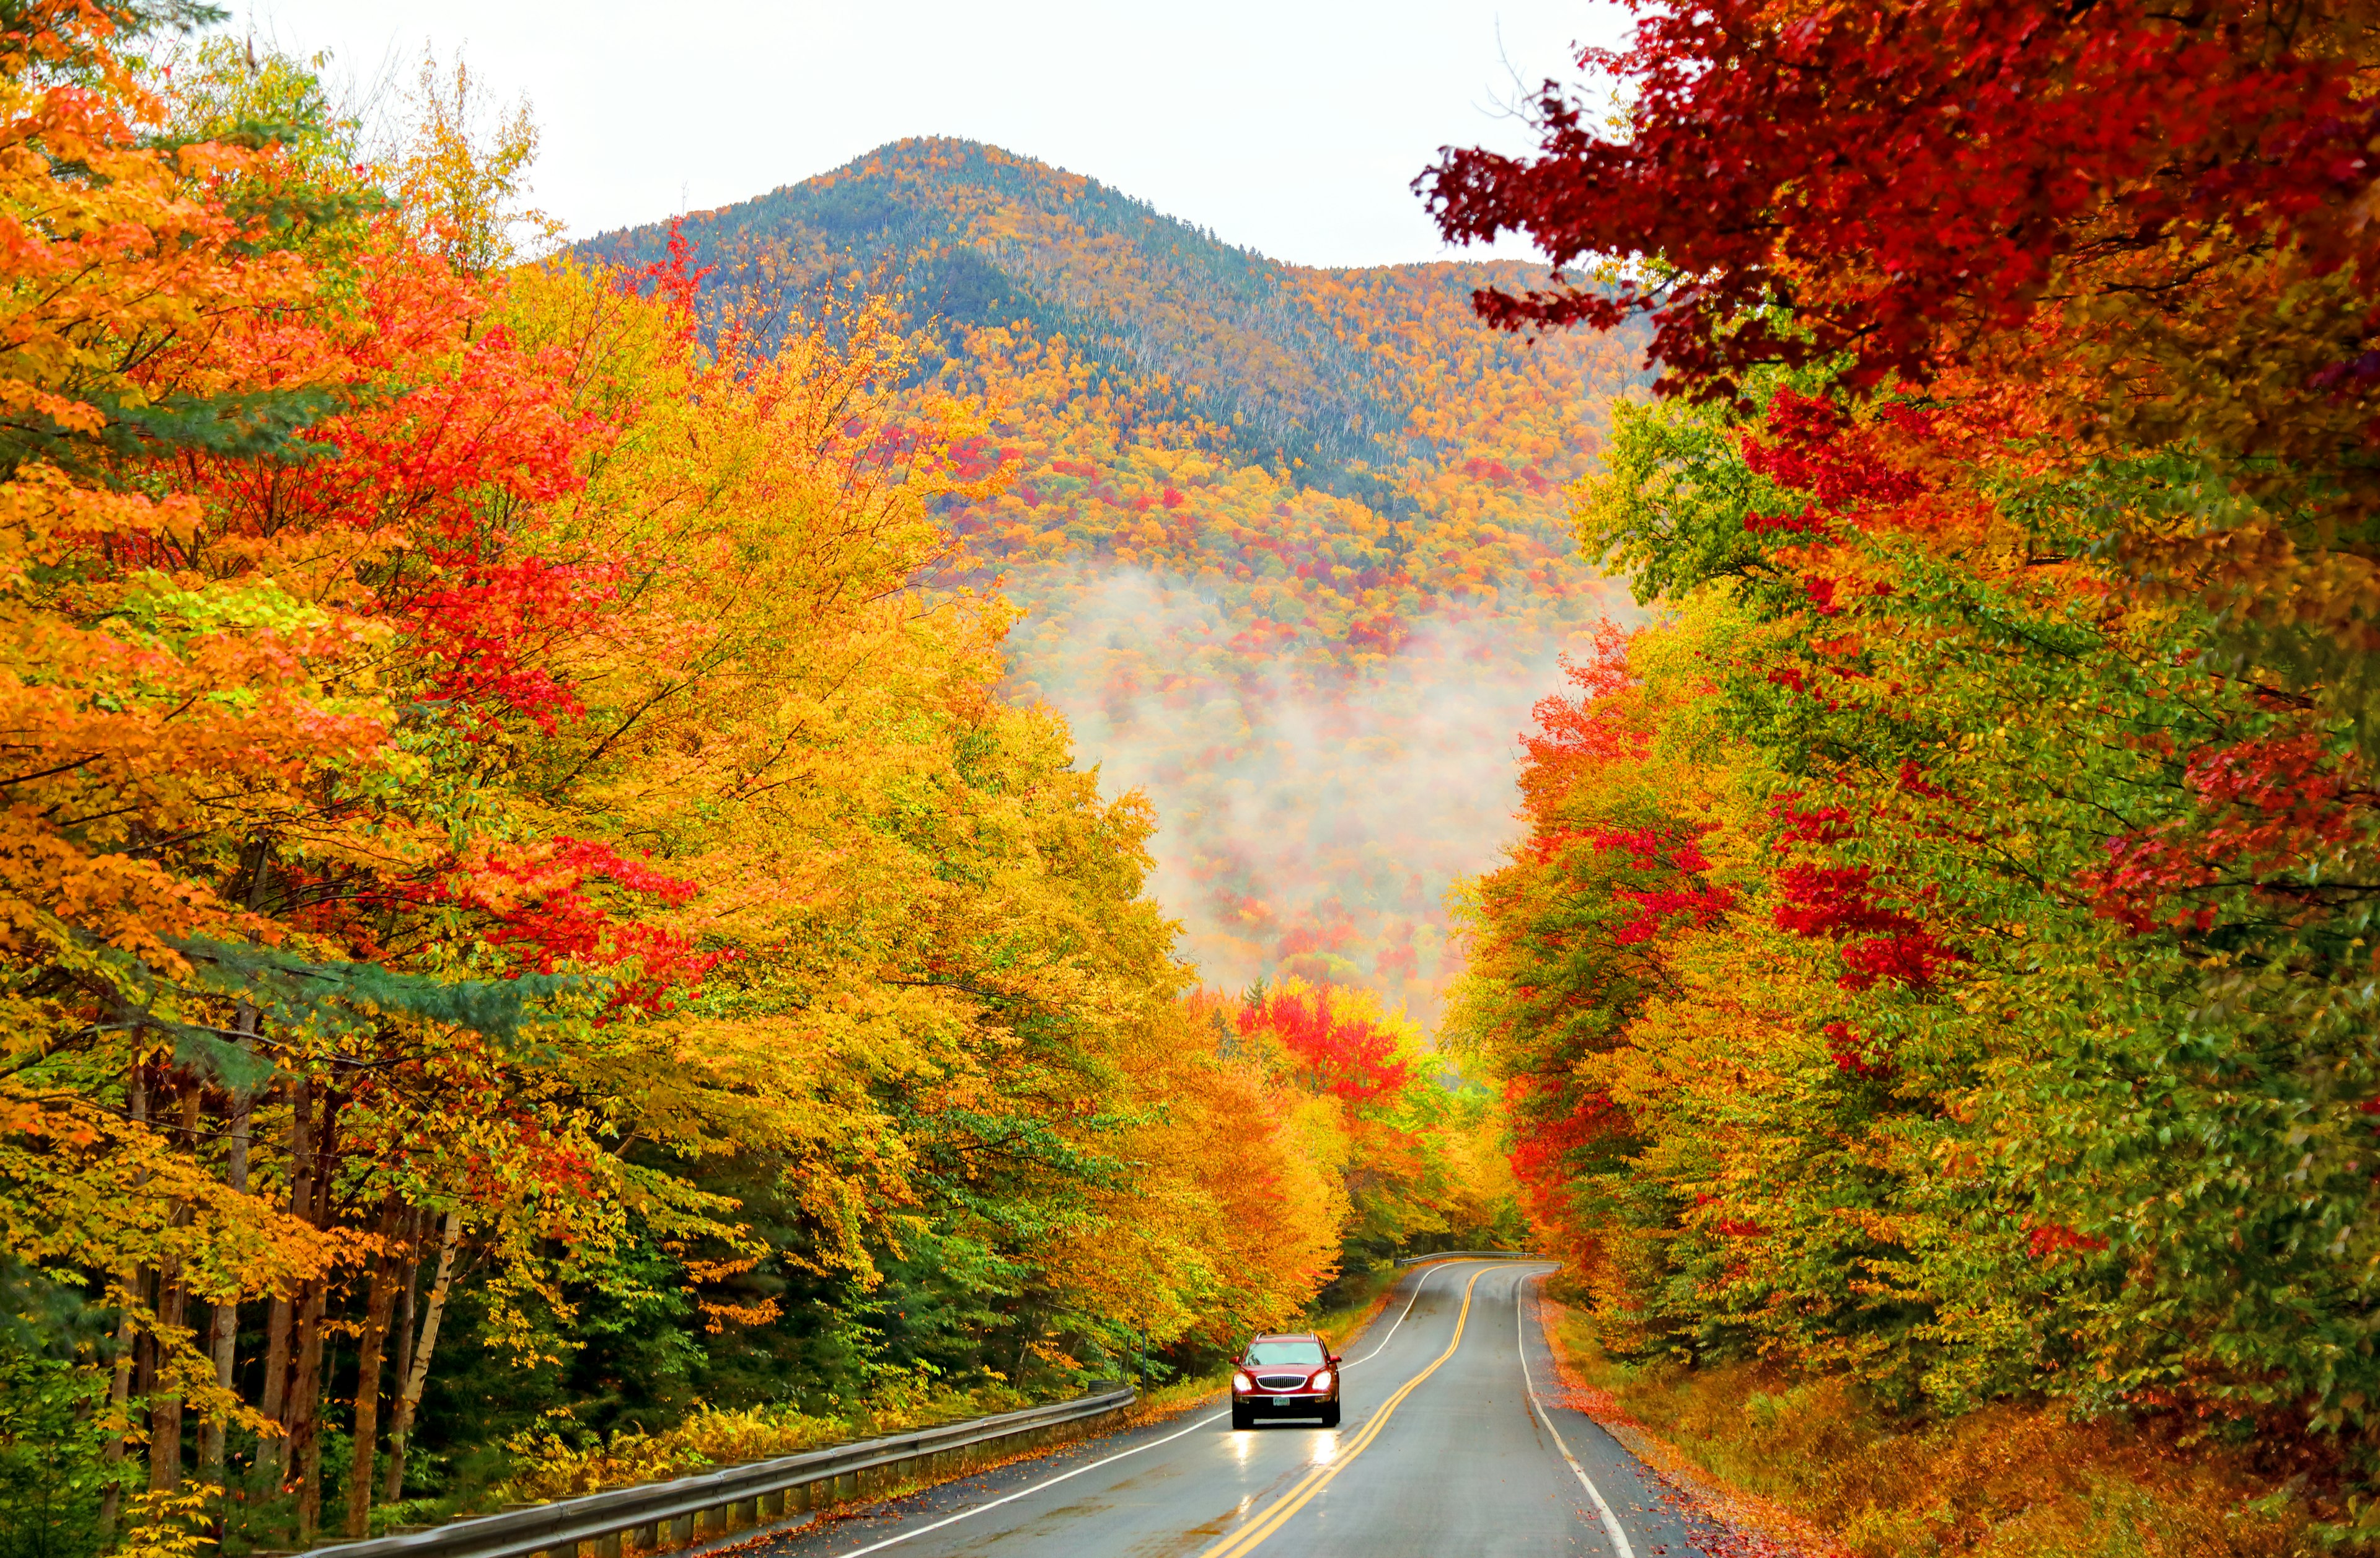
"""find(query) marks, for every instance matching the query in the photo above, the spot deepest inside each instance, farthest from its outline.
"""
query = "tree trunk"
(280, 1319)
(223, 1319)
(367, 1364)
(303, 1444)
(417, 1223)
(173, 1308)
(306, 1384)
(417, 1376)
(119, 1385)
(272, 1457)
(166, 1408)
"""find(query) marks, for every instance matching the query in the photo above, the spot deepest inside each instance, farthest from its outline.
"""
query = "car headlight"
(1322, 1381)
(1242, 1383)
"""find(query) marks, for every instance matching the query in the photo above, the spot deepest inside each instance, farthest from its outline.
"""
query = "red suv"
(1287, 1376)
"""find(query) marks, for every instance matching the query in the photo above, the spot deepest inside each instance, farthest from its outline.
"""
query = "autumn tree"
(498, 803)
(2149, 225)
(2007, 491)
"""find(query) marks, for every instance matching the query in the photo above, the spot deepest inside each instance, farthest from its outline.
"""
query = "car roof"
(1285, 1336)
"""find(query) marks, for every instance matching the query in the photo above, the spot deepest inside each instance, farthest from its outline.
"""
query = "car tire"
(1330, 1415)
(1242, 1419)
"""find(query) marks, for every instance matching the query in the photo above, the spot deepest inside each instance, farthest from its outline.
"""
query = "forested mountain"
(1292, 542)
(555, 928)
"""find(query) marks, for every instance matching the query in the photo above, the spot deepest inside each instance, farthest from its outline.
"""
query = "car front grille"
(1281, 1382)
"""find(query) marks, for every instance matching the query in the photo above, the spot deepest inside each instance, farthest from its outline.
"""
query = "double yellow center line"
(1247, 1538)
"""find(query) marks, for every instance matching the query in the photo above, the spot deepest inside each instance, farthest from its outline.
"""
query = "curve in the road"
(1195, 1425)
(1611, 1526)
(1248, 1536)
(1477, 1460)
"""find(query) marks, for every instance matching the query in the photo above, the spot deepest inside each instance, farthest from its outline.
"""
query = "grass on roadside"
(548, 1466)
(2005, 1481)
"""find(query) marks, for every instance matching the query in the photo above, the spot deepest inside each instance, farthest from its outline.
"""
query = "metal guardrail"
(1468, 1255)
(736, 1500)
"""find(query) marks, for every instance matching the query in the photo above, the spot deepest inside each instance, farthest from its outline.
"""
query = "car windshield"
(1285, 1352)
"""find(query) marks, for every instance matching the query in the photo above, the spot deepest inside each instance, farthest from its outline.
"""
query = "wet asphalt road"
(1439, 1452)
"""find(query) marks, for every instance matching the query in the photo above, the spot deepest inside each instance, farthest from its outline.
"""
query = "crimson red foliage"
(1591, 727)
(559, 923)
(1933, 159)
(1912, 782)
(1350, 1057)
(1648, 849)
(2267, 807)
(1817, 824)
(669, 280)
(1658, 907)
(2051, 1237)
(1541, 1148)
(1842, 902)
(1849, 1051)
(1815, 448)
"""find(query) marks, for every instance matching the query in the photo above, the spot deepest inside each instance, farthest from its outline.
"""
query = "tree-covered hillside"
(1292, 540)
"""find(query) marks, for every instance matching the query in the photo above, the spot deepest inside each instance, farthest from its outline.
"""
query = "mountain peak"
(1274, 525)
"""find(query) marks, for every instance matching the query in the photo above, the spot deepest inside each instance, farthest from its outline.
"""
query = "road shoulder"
(1721, 1522)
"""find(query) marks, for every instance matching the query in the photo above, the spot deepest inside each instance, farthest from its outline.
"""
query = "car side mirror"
(1334, 1360)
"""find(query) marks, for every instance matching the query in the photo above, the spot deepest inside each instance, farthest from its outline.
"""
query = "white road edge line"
(1521, 1339)
(1202, 1422)
(1426, 1275)
(1046, 1482)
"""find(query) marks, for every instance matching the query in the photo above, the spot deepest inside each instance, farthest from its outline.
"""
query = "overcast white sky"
(1290, 126)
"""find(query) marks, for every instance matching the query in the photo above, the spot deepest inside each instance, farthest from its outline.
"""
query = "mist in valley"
(1313, 809)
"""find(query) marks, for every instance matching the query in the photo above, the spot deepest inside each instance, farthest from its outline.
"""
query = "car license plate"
(1284, 1401)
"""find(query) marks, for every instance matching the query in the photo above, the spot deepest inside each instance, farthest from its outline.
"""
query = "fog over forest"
(1310, 818)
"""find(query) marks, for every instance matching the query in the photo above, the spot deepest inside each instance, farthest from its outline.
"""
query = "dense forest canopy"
(541, 945)
(624, 857)
(1941, 954)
